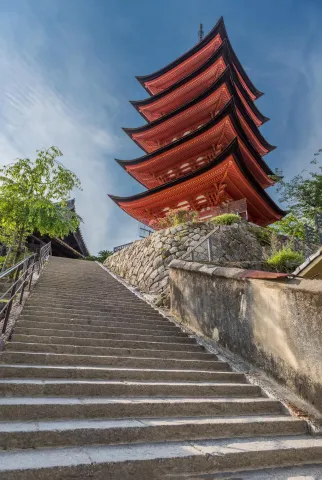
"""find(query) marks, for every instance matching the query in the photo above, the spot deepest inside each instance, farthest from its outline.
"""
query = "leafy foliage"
(33, 197)
(173, 218)
(285, 260)
(292, 226)
(101, 257)
(303, 198)
(226, 219)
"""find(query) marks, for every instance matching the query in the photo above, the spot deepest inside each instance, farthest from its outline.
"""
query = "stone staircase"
(95, 383)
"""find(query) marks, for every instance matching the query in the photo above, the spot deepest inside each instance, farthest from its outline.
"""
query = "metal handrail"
(20, 280)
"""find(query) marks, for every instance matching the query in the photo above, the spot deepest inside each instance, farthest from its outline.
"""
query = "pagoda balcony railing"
(238, 207)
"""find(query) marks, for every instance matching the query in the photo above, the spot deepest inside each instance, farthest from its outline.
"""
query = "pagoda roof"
(222, 52)
(218, 30)
(242, 183)
(176, 146)
(224, 79)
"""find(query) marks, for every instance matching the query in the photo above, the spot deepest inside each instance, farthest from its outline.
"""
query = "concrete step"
(114, 388)
(156, 460)
(92, 306)
(121, 317)
(105, 328)
(112, 311)
(103, 322)
(87, 351)
(83, 290)
(88, 302)
(95, 342)
(308, 472)
(76, 296)
(103, 334)
(131, 358)
(114, 373)
(112, 432)
(36, 408)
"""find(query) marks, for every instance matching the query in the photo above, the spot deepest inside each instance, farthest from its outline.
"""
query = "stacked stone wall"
(145, 264)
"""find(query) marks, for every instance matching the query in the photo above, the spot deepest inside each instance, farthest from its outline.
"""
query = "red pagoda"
(203, 148)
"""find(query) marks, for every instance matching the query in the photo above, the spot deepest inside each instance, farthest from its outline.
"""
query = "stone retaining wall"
(145, 264)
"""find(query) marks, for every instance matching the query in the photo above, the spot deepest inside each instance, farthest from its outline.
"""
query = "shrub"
(226, 219)
(285, 260)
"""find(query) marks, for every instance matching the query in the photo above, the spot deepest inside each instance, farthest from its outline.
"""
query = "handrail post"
(12, 293)
(25, 275)
(32, 273)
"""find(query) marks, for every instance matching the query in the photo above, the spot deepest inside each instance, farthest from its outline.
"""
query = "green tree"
(33, 197)
(103, 254)
(302, 196)
(100, 257)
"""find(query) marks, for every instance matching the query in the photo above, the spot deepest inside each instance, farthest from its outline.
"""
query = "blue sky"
(67, 72)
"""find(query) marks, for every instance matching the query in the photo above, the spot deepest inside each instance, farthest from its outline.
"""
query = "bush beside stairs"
(95, 383)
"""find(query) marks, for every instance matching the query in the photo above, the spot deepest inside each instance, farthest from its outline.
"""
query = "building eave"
(228, 109)
(219, 28)
(225, 78)
(231, 149)
(222, 51)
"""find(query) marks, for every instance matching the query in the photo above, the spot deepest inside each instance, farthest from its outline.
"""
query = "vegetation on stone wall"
(226, 219)
(285, 260)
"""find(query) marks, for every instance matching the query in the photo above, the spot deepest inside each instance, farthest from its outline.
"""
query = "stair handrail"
(22, 273)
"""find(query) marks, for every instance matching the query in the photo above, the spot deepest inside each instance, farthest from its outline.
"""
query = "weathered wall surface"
(145, 264)
(276, 325)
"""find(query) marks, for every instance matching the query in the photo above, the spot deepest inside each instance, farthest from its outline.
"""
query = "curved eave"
(222, 51)
(229, 109)
(225, 77)
(231, 149)
(218, 28)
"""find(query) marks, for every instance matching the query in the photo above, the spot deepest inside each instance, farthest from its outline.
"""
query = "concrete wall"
(276, 325)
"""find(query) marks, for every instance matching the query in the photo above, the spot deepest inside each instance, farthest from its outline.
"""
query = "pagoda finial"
(200, 33)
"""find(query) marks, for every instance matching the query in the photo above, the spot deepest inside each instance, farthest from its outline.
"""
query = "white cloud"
(36, 113)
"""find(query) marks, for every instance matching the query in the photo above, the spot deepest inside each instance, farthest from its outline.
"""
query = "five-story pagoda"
(202, 142)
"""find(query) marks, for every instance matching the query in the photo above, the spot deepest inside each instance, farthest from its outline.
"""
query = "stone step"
(88, 302)
(103, 322)
(95, 342)
(156, 460)
(113, 432)
(72, 388)
(114, 373)
(37, 408)
(121, 317)
(305, 472)
(92, 311)
(79, 289)
(136, 358)
(105, 328)
(76, 296)
(92, 306)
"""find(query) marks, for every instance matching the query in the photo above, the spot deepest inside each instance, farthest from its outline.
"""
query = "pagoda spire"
(200, 32)
(203, 147)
